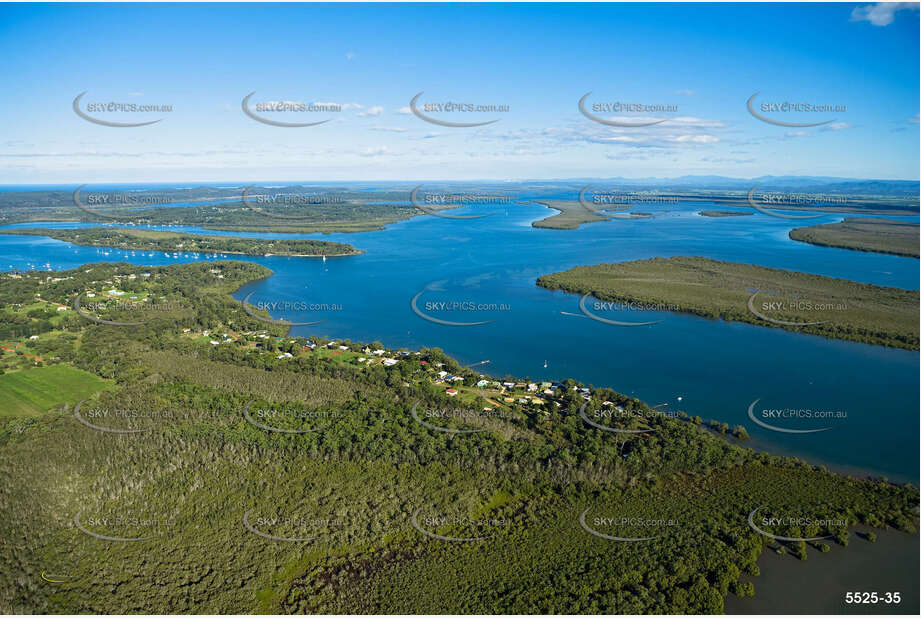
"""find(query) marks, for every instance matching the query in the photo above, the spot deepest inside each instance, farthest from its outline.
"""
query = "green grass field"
(34, 391)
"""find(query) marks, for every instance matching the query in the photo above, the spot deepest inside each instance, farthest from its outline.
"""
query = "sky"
(697, 65)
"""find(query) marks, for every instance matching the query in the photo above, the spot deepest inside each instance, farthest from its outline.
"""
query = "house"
(187, 330)
(343, 347)
(508, 385)
(532, 387)
(62, 308)
(378, 352)
(482, 383)
(213, 342)
(442, 374)
(390, 362)
(456, 379)
(423, 363)
(33, 337)
(285, 355)
(451, 392)
(90, 295)
(545, 385)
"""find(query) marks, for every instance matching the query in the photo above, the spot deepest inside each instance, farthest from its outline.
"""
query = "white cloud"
(404, 110)
(350, 55)
(837, 126)
(692, 121)
(797, 134)
(693, 139)
(914, 119)
(882, 13)
(685, 92)
(374, 151)
(390, 129)
(377, 110)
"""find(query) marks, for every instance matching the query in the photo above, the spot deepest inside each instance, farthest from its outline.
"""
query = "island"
(570, 215)
(173, 455)
(153, 240)
(874, 235)
(286, 209)
(826, 306)
(723, 213)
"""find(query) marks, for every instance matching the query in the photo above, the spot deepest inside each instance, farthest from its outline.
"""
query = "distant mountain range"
(814, 184)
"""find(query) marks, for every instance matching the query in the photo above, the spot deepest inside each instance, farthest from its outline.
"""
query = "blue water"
(716, 368)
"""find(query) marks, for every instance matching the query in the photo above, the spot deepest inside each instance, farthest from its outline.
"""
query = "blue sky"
(704, 60)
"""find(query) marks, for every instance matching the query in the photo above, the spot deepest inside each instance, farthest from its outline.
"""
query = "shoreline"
(39, 232)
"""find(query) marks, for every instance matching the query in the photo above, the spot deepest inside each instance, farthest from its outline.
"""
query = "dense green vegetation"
(353, 484)
(826, 306)
(296, 208)
(151, 240)
(864, 234)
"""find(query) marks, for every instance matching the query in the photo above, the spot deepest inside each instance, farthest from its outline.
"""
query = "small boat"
(545, 364)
